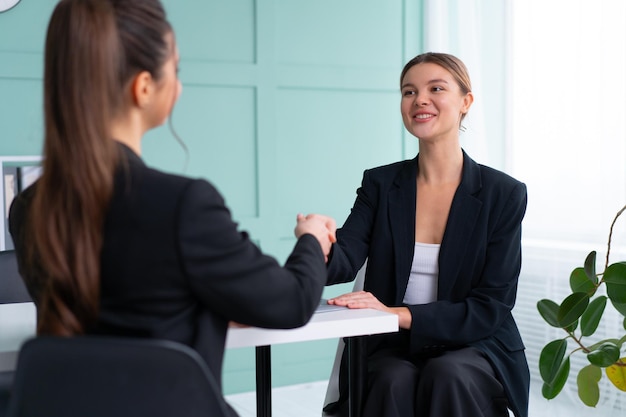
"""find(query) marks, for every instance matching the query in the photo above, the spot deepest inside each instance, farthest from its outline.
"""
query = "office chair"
(12, 288)
(332, 390)
(6, 381)
(113, 377)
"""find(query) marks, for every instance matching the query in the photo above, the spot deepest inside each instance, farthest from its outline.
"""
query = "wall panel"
(21, 116)
(284, 104)
(348, 33)
(326, 138)
(23, 27)
(220, 31)
(217, 124)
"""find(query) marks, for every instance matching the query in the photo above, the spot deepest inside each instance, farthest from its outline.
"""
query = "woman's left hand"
(365, 299)
(359, 299)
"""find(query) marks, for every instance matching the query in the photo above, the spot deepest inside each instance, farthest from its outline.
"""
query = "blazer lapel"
(401, 201)
(464, 212)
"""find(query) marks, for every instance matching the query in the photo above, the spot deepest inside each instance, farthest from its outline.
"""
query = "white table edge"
(326, 325)
(323, 325)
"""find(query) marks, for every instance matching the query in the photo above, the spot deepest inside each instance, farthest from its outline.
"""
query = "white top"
(422, 286)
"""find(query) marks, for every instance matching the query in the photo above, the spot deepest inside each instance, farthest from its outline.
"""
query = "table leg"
(356, 374)
(263, 381)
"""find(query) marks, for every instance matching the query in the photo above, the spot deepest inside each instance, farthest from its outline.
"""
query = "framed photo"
(10, 184)
(18, 172)
(26, 175)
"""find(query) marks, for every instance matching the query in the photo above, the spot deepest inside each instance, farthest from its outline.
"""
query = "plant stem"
(578, 342)
(608, 250)
(585, 349)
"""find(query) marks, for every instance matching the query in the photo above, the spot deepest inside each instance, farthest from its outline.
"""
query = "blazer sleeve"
(487, 305)
(353, 238)
(231, 276)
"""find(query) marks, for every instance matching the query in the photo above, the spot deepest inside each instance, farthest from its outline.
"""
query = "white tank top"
(422, 286)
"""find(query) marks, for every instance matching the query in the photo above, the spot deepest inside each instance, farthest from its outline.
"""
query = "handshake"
(320, 226)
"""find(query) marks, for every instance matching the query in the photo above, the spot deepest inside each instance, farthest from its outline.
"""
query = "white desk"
(18, 322)
(323, 325)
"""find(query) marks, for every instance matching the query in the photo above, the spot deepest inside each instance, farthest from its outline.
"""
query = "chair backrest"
(12, 288)
(332, 390)
(110, 376)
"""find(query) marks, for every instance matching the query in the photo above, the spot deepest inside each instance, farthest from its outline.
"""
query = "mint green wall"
(22, 34)
(284, 103)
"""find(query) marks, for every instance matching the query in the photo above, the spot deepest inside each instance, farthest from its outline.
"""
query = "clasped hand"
(320, 226)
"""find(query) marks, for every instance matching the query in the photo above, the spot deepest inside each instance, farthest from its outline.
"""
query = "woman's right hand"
(320, 226)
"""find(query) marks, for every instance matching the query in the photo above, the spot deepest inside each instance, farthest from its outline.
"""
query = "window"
(568, 144)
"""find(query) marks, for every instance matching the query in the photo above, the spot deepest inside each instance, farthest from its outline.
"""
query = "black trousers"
(458, 383)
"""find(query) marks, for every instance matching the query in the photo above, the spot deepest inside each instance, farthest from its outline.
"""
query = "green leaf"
(549, 391)
(548, 310)
(591, 317)
(606, 355)
(590, 268)
(572, 327)
(551, 358)
(587, 381)
(615, 279)
(579, 281)
(621, 307)
(601, 342)
(572, 308)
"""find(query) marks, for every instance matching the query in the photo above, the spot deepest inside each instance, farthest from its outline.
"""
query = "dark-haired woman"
(107, 245)
(442, 239)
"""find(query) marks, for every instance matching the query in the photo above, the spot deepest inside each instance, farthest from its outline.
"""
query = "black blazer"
(479, 265)
(174, 265)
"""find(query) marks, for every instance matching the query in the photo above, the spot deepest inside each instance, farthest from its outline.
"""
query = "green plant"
(579, 315)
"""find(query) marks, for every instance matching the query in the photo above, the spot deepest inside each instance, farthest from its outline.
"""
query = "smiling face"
(433, 103)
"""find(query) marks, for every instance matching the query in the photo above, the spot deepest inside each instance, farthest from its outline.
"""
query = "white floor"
(305, 400)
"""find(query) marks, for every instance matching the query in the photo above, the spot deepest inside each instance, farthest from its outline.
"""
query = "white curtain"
(568, 145)
(550, 83)
(455, 27)
(568, 128)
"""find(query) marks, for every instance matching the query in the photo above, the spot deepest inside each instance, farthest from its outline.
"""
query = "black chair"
(113, 377)
(12, 288)
(6, 381)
